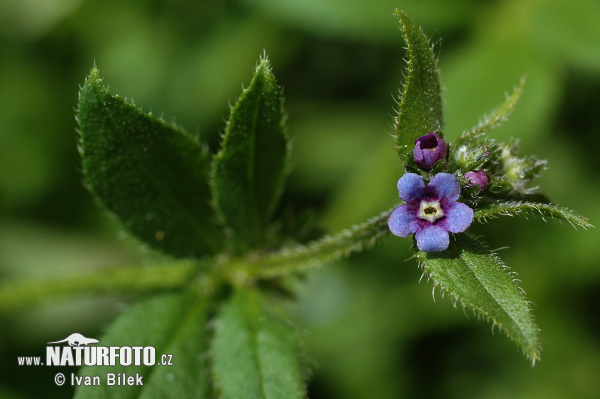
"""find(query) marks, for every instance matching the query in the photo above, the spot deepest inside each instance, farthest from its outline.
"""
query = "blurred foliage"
(374, 331)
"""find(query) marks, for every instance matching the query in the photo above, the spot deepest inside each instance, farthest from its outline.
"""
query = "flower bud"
(428, 150)
(478, 178)
(472, 156)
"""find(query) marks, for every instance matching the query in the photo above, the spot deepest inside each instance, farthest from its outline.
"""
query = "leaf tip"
(264, 65)
(404, 20)
(93, 81)
(94, 74)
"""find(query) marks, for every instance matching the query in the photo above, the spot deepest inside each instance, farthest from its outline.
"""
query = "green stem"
(124, 279)
(178, 273)
(328, 248)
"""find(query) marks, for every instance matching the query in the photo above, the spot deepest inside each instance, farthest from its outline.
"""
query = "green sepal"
(476, 278)
(150, 174)
(174, 324)
(248, 172)
(420, 105)
(255, 353)
(527, 208)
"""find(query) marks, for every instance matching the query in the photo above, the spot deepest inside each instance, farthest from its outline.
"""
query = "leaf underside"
(248, 172)
(173, 324)
(150, 174)
(420, 106)
(476, 278)
(255, 353)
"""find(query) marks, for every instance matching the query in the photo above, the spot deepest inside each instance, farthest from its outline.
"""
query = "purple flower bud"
(428, 150)
(478, 178)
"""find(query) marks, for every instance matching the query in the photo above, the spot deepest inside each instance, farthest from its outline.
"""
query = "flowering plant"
(212, 219)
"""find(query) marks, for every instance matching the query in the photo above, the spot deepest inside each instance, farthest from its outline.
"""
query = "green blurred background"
(372, 330)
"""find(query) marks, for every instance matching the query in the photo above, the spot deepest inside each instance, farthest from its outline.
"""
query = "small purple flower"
(430, 211)
(478, 178)
(428, 150)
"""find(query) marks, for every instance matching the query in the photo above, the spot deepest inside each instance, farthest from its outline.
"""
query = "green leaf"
(248, 172)
(513, 208)
(150, 174)
(497, 116)
(475, 277)
(420, 106)
(255, 352)
(174, 324)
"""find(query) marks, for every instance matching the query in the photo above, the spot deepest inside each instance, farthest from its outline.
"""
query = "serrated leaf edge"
(406, 24)
(263, 64)
(455, 298)
(524, 208)
(99, 88)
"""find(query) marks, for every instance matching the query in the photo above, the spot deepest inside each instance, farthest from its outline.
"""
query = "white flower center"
(430, 211)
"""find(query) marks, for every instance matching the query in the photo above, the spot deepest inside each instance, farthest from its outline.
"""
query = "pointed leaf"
(255, 353)
(420, 107)
(475, 277)
(248, 172)
(498, 115)
(174, 324)
(526, 208)
(150, 174)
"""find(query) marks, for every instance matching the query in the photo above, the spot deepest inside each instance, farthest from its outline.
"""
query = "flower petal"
(428, 150)
(445, 186)
(403, 221)
(411, 187)
(432, 238)
(458, 217)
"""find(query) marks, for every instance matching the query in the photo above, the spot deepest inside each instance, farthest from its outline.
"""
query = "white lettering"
(53, 356)
(97, 356)
(87, 380)
(125, 356)
(136, 353)
(113, 355)
(102, 356)
(67, 357)
(149, 356)
(78, 350)
(124, 379)
(89, 356)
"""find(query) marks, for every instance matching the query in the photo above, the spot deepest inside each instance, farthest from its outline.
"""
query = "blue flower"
(431, 212)
(428, 150)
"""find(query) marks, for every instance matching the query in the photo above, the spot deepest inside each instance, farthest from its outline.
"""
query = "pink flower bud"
(478, 178)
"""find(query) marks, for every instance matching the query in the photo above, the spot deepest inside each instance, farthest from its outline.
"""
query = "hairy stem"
(328, 248)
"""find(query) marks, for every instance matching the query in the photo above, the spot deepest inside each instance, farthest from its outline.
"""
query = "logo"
(77, 350)
(76, 339)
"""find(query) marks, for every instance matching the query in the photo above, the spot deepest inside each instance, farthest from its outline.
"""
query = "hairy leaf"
(255, 353)
(475, 277)
(420, 106)
(150, 174)
(526, 208)
(498, 115)
(248, 172)
(174, 324)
